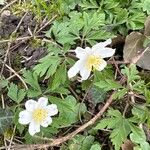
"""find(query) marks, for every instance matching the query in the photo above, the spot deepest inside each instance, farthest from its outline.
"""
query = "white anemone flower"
(91, 58)
(37, 114)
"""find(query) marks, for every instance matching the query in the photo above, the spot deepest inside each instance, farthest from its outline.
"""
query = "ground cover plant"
(74, 74)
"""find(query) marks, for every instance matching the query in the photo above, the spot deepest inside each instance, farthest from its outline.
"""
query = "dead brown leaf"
(128, 145)
(134, 49)
(147, 27)
(144, 61)
(133, 46)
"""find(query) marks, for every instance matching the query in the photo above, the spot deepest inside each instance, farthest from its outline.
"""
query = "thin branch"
(46, 24)
(8, 5)
(12, 70)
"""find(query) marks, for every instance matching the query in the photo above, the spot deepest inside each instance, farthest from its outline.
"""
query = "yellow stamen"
(93, 61)
(39, 115)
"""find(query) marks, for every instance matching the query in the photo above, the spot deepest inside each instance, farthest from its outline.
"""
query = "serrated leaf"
(136, 20)
(16, 94)
(98, 95)
(6, 117)
(69, 110)
(131, 73)
(80, 142)
(32, 79)
(3, 83)
(59, 77)
(119, 125)
(47, 66)
(108, 85)
(92, 21)
(88, 4)
(95, 147)
(120, 93)
(146, 6)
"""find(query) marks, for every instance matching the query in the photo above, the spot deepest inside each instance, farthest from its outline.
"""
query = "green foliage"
(3, 83)
(141, 114)
(146, 6)
(32, 79)
(69, 110)
(134, 81)
(131, 73)
(79, 27)
(108, 85)
(82, 23)
(15, 93)
(47, 66)
(138, 137)
(118, 124)
(60, 76)
(97, 95)
(81, 142)
(121, 128)
(6, 117)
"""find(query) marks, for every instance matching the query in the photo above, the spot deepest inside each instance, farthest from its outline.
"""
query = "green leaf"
(87, 142)
(92, 4)
(95, 147)
(120, 93)
(92, 21)
(97, 95)
(16, 94)
(136, 21)
(60, 76)
(146, 6)
(32, 79)
(108, 85)
(121, 16)
(3, 83)
(80, 142)
(138, 136)
(47, 66)
(6, 117)
(69, 110)
(119, 125)
(131, 73)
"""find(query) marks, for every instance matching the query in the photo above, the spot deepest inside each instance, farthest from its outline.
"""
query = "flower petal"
(34, 128)
(52, 109)
(24, 117)
(42, 101)
(80, 52)
(101, 45)
(46, 122)
(75, 68)
(85, 73)
(105, 52)
(30, 105)
(102, 65)
(88, 51)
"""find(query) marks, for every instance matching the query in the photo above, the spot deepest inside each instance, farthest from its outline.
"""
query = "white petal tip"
(108, 41)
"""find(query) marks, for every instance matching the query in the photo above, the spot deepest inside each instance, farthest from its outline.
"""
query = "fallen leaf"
(133, 46)
(147, 26)
(128, 145)
(144, 61)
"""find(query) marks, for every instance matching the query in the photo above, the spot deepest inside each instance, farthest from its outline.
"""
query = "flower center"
(39, 115)
(93, 61)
